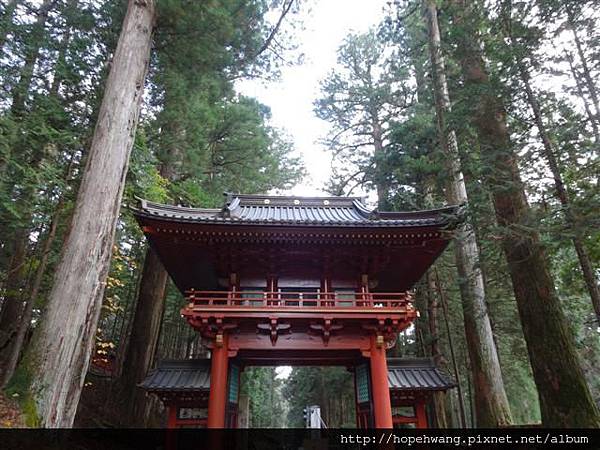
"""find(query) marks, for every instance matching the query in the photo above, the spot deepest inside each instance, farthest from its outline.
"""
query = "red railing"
(314, 299)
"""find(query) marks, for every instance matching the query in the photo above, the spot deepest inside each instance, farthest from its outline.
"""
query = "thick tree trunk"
(150, 307)
(589, 274)
(58, 357)
(565, 399)
(491, 402)
(143, 340)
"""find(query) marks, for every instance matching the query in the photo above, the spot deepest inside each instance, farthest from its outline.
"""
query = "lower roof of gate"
(193, 375)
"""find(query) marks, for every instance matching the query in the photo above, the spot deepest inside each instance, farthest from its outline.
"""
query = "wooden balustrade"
(300, 299)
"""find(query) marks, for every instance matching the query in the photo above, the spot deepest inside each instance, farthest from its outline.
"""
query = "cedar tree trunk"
(58, 357)
(149, 311)
(143, 340)
(491, 403)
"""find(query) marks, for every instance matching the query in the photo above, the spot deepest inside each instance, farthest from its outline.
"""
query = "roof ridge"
(292, 196)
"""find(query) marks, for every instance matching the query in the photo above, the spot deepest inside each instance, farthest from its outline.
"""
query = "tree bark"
(58, 357)
(143, 340)
(150, 305)
(589, 274)
(565, 399)
(491, 402)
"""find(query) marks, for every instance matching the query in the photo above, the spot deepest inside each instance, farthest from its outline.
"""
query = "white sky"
(326, 24)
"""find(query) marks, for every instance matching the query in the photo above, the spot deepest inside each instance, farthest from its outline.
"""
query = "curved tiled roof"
(187, 375)
(417, 374)
(286, 210)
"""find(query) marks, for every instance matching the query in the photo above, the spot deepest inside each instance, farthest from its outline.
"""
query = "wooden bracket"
(325, 329)
(274, 329)
(273, 333)
(386, 331)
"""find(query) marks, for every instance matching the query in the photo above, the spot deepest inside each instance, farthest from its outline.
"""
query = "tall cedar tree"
(359, 102)
(491, 403)
(57, 360)
(565, 399)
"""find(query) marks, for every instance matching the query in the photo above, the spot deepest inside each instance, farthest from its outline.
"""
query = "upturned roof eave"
(448, 225)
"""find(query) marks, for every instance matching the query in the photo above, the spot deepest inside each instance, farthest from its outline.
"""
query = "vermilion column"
(217, 398)
(421, 415)
(382, 406)
(172, 417)
(171, 435)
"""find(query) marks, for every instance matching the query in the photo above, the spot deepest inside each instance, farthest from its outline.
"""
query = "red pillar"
(421, 415)
(172, 417)
(382, 406)
(217, 398)
(171, 435)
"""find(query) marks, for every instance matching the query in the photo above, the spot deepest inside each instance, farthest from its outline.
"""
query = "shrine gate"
(273, 280)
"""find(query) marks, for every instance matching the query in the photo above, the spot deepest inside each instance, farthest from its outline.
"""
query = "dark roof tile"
(179, 375)
(417, 374)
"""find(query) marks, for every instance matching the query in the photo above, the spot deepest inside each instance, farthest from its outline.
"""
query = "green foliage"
(359, 100)
(331, 388)
(268, 403)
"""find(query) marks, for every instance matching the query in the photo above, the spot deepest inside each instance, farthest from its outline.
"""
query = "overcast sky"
(326, 25)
